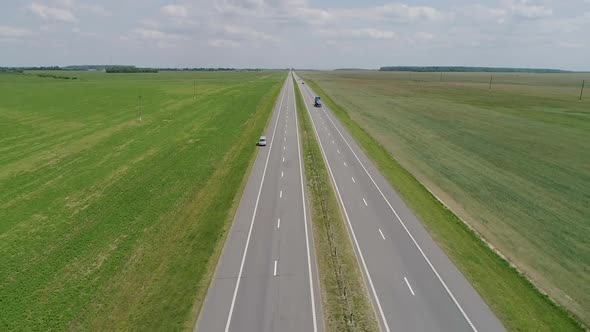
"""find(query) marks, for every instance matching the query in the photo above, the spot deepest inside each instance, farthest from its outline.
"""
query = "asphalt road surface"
(412, 283)
(266, 279)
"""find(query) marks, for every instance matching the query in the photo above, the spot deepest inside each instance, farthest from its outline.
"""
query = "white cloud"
(91, 8)
(175, 10)
(223, 43)
(49, 13)
(523, 8)
(410, 13)
(247, 33)
(423, 37)
(12, 32)
(365, 33)
(152, 34)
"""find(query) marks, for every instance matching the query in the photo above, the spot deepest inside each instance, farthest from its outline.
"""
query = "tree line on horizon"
(465, 69)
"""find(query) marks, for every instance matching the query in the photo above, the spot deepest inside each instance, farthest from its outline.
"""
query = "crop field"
(112, 222)
(513, 161)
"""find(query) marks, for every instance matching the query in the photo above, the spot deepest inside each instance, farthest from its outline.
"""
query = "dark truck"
(317, 102)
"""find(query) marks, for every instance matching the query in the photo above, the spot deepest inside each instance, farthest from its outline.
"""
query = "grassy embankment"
(511, 159)
(109, 223)
(346, 304)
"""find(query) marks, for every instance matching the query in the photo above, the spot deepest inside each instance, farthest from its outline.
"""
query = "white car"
(262, 141)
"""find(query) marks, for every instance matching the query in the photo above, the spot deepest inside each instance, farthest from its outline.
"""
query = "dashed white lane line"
(285, 139)
(332, 141)
(364, 201)
(279, 223)
(410, 287)
(345, 164)
(283, 147)
(380, 232)
(281, 194)
(338, 151)
(353, 181)
(283, 159)
(245, 253)
(438, 276)
(275, 272)
(282, 174)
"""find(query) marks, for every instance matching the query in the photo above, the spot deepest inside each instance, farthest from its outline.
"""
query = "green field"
(112, 223)
(513, 162)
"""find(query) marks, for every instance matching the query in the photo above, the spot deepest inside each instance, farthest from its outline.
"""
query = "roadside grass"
(515, 301)
(108, 223)
(346, 304)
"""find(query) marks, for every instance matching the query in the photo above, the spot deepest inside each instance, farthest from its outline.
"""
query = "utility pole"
(582, 91)
(140, 112)
(490, 88)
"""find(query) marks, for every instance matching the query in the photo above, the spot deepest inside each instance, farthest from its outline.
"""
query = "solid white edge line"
(233, 301)
(410, 287)
(315, 328)
(358, 248)
(275, 272)
(406, 229)
(380, 232)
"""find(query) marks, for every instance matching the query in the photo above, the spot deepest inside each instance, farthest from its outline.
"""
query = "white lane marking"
(275, 272)
(380, 232)
(338, 151)
(282, 174)
(283, 159)
(345, 164)
(410, 287)
(358, 248)
(283, 147)
(315, 325)
(364, 201)
(406, 229)
(285, 139)
(233, 300)
(353, 181)
(279, 223)
(332, 141)
(281, 194)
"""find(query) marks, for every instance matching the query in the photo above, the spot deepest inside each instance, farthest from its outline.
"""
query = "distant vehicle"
(317, 102)
(262, 141)
(302, 82)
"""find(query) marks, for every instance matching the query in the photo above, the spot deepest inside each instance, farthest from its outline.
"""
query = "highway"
(266, 279)
(412, 283)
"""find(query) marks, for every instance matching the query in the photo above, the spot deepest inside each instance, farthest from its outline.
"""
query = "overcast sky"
(296, 33)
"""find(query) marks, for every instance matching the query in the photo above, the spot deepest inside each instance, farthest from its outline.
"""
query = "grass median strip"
(515, 301)
(345, 301)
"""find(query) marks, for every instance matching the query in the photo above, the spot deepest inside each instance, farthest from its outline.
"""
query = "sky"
(322, 34)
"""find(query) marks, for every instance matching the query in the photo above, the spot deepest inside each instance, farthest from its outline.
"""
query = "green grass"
(346, 305)
(108, 223)
(510, 162)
